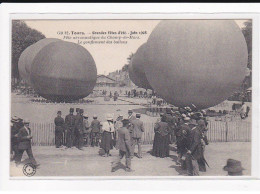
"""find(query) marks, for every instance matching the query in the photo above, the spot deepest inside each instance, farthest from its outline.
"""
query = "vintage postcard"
(131, 97)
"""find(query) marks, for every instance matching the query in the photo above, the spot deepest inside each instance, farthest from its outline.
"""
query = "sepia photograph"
(131, 97)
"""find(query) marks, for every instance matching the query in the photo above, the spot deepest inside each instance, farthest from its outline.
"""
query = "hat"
(233, 166)
(109, 117)
(130, 111)
(186, 118)
(187, 108)
(81, 111)
(71, 109)
(183, 115)
(138, 115)
(26, 121)
(161, 114)
(85, 115)
(59, 112)
(94, 116)
(203, 112)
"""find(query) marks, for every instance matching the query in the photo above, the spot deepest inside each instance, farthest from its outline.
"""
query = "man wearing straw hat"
(25, 137)
(17, 124)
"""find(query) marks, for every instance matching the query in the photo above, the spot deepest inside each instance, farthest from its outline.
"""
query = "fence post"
(226, 131)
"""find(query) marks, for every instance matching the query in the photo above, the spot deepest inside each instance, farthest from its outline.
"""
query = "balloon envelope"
(63, 71)
(27, 57)
(200, 62)
(136, 69)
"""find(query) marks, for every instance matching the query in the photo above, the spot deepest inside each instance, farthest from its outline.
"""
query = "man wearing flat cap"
(59, 128)
(70, 128)
(137, 132)
(24, 138)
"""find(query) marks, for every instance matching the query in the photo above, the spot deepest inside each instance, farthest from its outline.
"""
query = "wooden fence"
(219, 131)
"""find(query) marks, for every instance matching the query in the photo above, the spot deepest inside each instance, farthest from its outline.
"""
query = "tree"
(125, 67)
(247, 31)
(22, 37)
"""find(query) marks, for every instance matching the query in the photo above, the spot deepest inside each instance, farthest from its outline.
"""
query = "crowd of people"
(186, 128)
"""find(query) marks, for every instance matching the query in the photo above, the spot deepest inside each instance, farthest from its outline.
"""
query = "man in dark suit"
(124, 146)
(70, 128)
(24, 138)
(95, 130)
(79, 129)
(194, 151)
(59, 125)
(17, 124)
(138, 129)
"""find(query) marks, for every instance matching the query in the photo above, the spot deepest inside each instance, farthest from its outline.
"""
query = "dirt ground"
(74, 162)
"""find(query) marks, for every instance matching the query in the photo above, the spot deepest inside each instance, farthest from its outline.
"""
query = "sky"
(108, 57)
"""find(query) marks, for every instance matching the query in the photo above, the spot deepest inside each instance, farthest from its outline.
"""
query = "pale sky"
(108, 57)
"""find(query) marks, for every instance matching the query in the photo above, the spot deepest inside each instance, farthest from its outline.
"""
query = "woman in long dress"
(107, 136)
(161, 139)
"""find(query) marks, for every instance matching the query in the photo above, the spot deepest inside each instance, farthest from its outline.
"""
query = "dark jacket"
(124, 143)
(196, 145)
(24, 141)
(138, 128)
(59, 124)
(95, 126)
(79, 126)
(162, 128)
(70, 122)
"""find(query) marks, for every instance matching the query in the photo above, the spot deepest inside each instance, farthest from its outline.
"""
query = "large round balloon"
(200, 62)
(63, 71)
(27, 56)
(136, 69)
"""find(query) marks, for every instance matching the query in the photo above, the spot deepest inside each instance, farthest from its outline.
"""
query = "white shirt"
(107, 126)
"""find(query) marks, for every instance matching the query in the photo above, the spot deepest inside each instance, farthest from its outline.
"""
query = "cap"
(94, 116)
(85, 115)
(59, 112)
(130, 111)
(81, 111)
(71, 109)
(77, 109)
